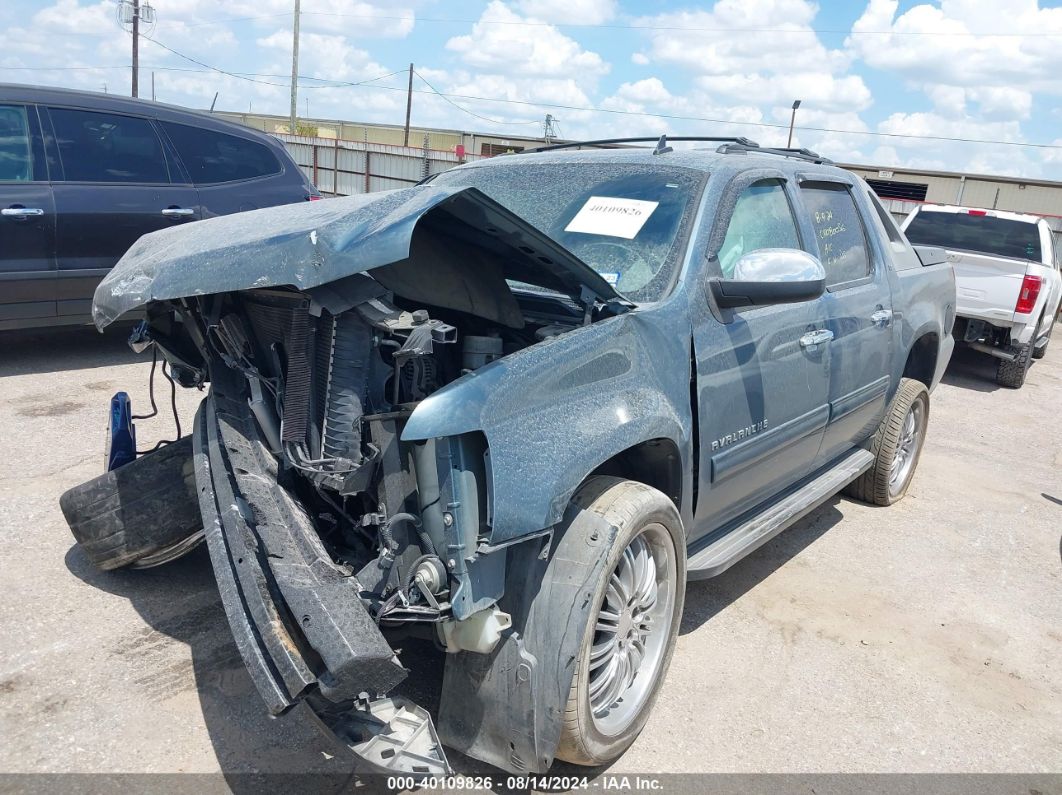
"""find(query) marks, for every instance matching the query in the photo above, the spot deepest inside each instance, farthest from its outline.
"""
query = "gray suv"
(84, 175)
(513, 411)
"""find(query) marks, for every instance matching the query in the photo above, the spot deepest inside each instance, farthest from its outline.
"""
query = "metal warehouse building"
(903, 189)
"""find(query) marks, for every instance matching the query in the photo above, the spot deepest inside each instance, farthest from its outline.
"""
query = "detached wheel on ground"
(1011, 373)
(627, 646)
(896, 446)
(141, 515)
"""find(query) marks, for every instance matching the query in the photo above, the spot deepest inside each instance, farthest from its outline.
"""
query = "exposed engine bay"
(330, 387)
(335, 527)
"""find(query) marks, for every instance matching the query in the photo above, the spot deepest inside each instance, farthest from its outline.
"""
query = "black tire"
(1039, 353)
(636, 510)
(142, 514)
(876, 486)
(1012, 374)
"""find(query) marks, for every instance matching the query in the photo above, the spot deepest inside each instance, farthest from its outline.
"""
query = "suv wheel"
(1012, 373)
(896, 447)
(627, 645)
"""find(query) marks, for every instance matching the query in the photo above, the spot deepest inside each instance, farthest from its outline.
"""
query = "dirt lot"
(924, 637)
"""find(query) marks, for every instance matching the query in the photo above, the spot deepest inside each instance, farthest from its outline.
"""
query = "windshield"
(624, 221)
(1001, 237)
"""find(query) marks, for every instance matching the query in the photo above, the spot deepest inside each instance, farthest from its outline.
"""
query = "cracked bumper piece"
(297, 619)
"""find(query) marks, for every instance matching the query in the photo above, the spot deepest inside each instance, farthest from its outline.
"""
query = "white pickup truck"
(1006, 276)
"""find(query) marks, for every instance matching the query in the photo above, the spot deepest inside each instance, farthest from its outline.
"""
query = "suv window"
(839, 231)
(107, 147)
(976, 231)
(762, 218)
(216, 157)
(16, 150)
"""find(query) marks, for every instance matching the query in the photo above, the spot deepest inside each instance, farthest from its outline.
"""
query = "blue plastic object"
(121, 432)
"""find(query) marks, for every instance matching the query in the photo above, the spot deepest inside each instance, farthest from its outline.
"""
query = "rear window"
(212, 157)
(1000, 237)
(842, 244)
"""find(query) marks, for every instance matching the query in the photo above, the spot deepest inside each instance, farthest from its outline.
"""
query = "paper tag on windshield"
(603, 215)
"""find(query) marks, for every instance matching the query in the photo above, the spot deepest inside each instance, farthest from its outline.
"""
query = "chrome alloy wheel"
(908, 447)
(631, 629)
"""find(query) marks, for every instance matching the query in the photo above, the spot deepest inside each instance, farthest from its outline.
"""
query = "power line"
(438, 93)
(636, 27)
(251, 76)
(208, 70)
(190, 59)
(448, 96)
(61, 68)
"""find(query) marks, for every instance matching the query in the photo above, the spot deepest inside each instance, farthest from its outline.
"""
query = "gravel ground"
(926, 637)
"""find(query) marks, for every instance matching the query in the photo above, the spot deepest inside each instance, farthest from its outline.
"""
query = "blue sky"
(869, 72)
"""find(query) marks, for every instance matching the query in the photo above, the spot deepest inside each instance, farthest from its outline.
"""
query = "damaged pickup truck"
(513, 410)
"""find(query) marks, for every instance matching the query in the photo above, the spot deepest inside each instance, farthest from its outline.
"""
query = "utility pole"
(409, 105)
(549, 131)
(136, 46)
(295, 69)
(133, 12)
(792, 121)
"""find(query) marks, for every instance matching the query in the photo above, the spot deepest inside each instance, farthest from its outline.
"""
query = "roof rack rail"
(745, 142)
(796, 154)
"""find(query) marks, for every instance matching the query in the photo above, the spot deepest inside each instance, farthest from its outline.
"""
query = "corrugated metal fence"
(345, 168)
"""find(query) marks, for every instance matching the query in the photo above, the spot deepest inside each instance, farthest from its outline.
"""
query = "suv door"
(760, 382)
(858, 305)
(117, 183)
(27, 221)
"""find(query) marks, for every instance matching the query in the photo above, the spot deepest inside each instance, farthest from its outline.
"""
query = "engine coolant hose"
(425, 540)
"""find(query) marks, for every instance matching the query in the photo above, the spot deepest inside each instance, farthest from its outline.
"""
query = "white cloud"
(1014, 47)
(955, 154)
(524, 51)
(765, 52)
(569, 12)
(640, 58)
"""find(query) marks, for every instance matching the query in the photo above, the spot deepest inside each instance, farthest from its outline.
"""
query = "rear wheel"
(896, 447)
(627, 645)
(1039, 353)
(1011, 372)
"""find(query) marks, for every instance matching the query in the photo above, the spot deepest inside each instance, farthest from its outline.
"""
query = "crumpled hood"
(311, 244)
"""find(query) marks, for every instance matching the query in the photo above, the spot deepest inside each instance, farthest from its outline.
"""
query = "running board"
(748, 535)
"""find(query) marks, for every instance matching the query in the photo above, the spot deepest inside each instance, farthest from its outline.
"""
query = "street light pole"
(792, 121)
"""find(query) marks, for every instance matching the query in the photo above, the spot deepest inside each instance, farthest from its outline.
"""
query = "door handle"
(21, 212)
(881, 318)
(815, 338)
(178, 212)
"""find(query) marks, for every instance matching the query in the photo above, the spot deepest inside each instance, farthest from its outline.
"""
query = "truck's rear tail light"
(1030, 290)
(314, 197)
(977, 212)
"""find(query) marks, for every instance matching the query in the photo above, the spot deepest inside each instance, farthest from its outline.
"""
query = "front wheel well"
(921, 362)
(655, 462)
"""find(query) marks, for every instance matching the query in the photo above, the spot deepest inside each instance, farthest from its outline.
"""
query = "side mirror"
(771, 276)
